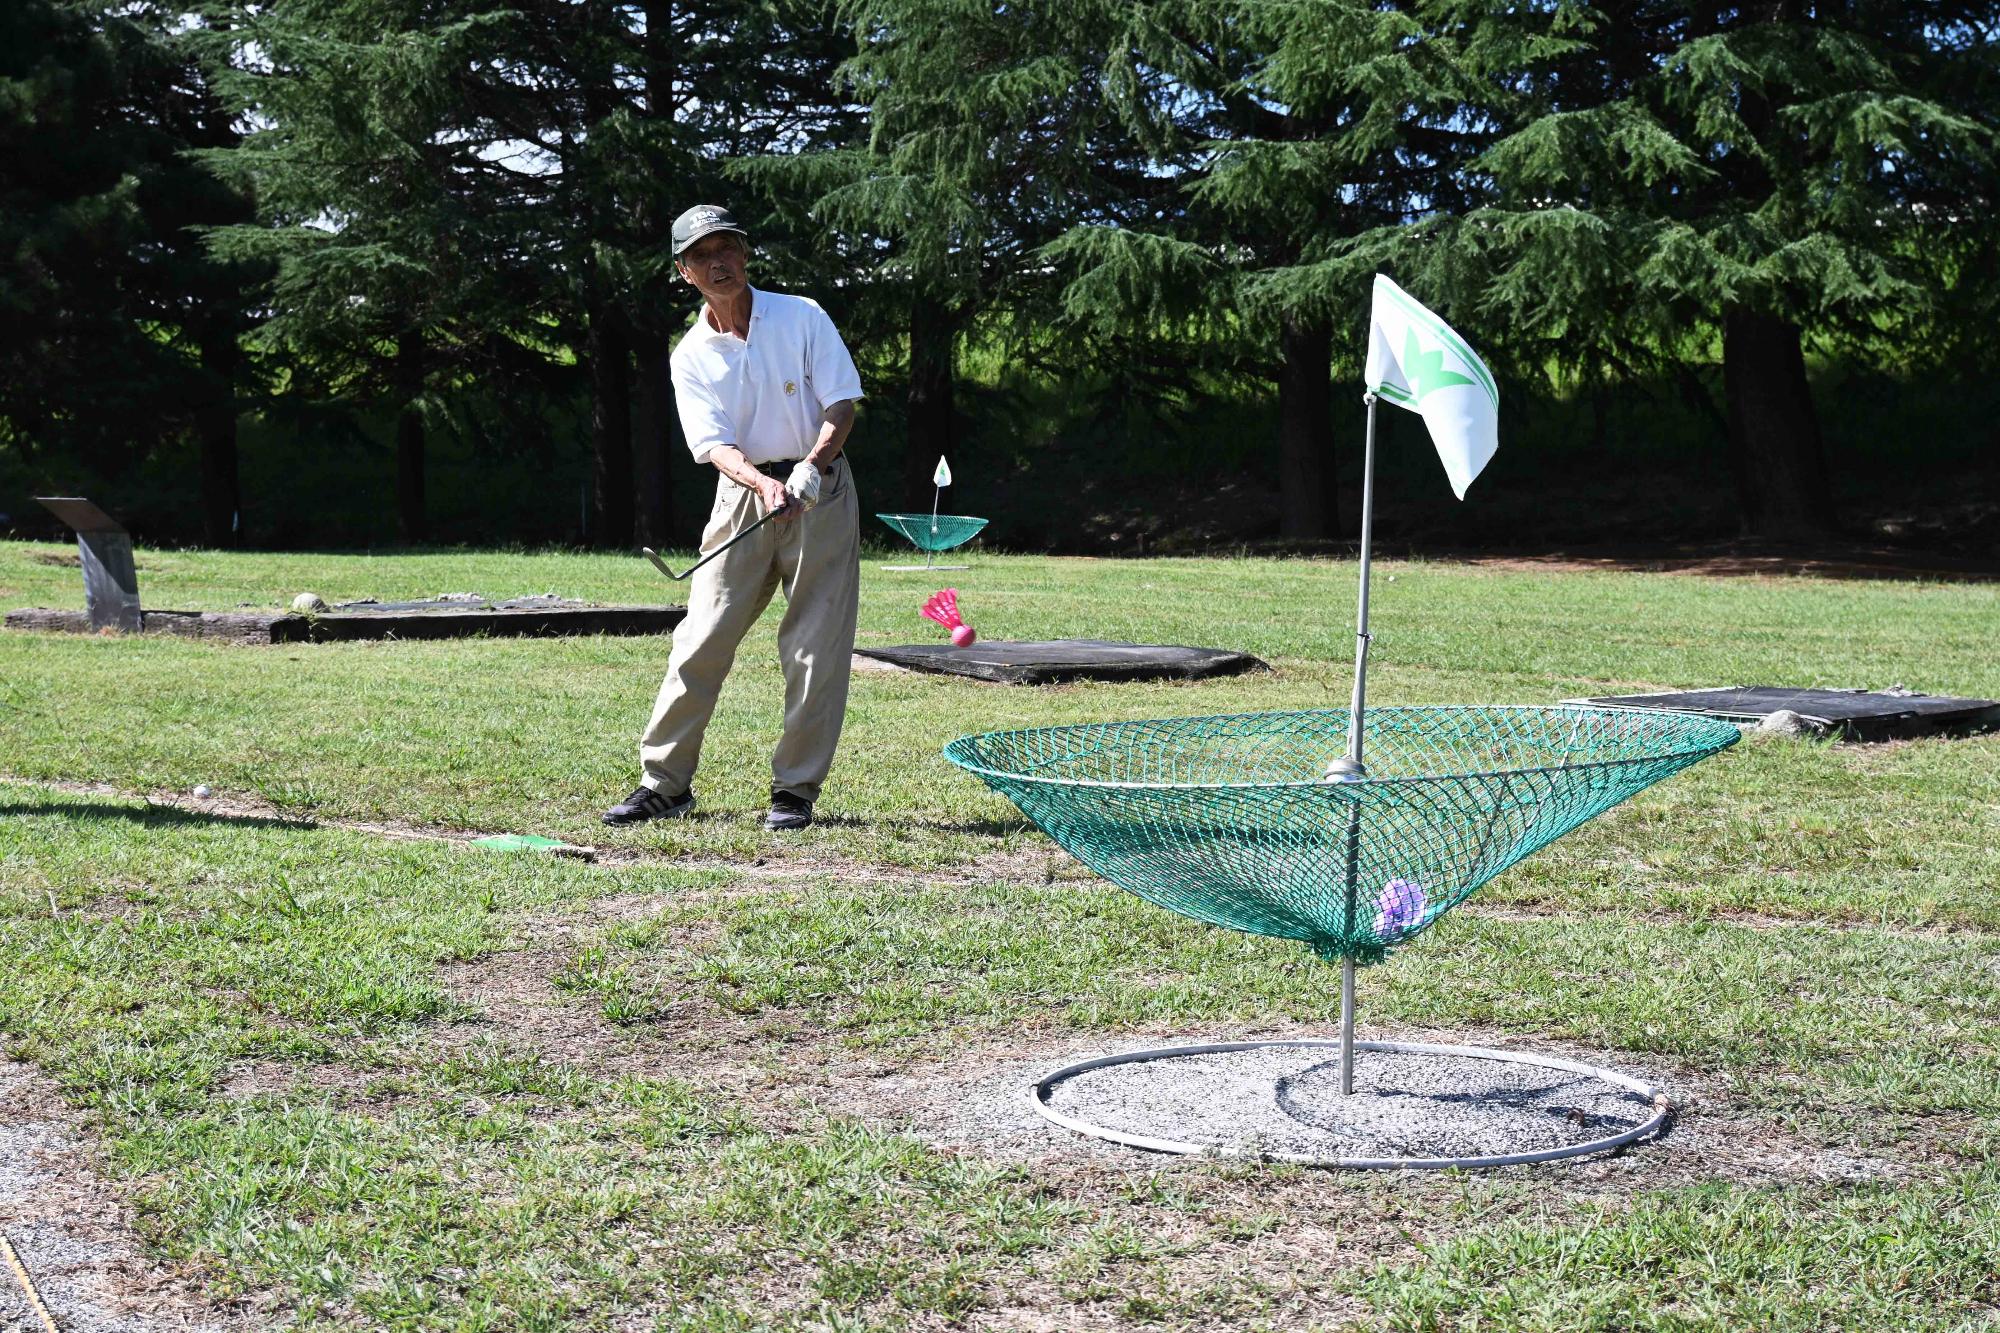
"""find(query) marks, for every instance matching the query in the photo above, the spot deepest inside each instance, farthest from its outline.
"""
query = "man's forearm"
(731, 463)
(835, 422)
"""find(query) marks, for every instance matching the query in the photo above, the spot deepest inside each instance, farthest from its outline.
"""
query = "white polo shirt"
(765, 396)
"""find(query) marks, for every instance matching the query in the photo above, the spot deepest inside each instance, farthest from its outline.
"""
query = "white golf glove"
(803, 484)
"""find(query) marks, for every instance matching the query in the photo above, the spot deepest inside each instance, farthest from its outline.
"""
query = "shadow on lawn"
(979, 828)
(149, 816)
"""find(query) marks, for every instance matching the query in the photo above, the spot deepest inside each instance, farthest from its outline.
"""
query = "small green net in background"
(935, 532)
(1230, 820)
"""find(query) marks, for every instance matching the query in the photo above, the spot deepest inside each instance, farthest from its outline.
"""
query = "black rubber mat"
(1856, 715)
(1053, 661)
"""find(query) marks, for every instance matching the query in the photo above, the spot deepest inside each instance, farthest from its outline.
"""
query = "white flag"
(941, 477)
(1416, 361)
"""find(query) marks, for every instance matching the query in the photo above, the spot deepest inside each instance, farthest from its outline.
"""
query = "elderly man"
(766, 392)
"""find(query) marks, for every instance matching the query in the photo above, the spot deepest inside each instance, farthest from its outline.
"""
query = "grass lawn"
(355, 1074)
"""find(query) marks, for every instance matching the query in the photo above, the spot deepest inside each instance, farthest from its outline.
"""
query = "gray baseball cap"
(699, 221)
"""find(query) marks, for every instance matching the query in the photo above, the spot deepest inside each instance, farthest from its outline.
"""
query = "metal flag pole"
(937, 492)
(1351, 768)
(1361, 618)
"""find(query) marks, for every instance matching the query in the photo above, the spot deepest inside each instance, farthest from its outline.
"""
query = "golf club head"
(659, 564)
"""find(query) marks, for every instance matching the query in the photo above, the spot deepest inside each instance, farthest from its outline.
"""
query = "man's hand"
(803, 484)
(776, 498)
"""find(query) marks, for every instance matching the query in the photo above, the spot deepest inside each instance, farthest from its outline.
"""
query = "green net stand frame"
(932, 533)
(1234, 820)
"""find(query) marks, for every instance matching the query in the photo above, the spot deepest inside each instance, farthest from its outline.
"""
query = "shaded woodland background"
(337, 273)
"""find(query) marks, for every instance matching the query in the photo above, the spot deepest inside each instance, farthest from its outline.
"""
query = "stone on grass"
(1785, 722)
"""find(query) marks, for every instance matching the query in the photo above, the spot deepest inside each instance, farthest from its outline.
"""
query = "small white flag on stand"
(1415, 361)
(941, 477)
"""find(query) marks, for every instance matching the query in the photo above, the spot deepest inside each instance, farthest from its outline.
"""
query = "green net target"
(1231, 819)
(935, 532)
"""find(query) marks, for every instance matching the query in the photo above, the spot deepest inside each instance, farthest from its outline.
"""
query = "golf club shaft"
(661, 565)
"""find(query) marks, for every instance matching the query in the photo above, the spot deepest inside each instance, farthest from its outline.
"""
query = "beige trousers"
(817, 559)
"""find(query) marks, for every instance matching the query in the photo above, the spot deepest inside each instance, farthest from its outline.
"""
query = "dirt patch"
(979, 1102)
(74, 1233)
(1264, 1244)
(1752, 561)
(278, 1078)
(680, 1033)
(1130, 1232)
(982, 1103)
(1734, 916)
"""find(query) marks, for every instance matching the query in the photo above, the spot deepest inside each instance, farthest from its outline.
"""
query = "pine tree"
(122, 331)
(393, 269)
(632, 114)
(76, 370)
(1264, 119)
(200, 302)
(1661, 175)
(991, 131)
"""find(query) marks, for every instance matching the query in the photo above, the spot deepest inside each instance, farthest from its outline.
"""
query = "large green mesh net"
(935, 532)
(1230, 819)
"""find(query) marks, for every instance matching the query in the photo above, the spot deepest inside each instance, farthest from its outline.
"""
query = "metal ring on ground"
(1661, 1106)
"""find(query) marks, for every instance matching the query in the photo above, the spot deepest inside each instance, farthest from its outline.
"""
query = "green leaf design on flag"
(1425, 370)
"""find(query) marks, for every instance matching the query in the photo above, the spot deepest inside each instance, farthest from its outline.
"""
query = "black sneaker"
(645, 804)
(788, 812)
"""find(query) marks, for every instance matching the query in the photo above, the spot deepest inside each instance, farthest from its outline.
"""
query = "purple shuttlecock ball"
(1398, 908)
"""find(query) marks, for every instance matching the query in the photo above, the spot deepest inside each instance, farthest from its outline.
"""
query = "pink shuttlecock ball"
(943, 608)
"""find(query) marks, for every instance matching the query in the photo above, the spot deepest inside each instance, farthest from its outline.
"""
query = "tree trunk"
(653, 438)
(1307, 482)
(410, 435)
(1774, 437)
(215, 423)
(933, 331)
(609, 350)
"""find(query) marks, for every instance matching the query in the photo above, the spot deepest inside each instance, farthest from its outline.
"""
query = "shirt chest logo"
(791, 387)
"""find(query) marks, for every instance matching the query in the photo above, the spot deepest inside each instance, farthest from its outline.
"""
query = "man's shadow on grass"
(148, 816)
(984, 828)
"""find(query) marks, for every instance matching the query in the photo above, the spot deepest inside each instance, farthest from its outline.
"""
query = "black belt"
(781, 469)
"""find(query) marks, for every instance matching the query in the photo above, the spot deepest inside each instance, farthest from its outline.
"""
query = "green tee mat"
(1231, 820)
(935, 532)
(531, 842)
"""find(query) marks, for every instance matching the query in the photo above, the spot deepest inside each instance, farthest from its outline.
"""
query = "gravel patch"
(980, 1102)
(71, 1233)
(1284, 1102)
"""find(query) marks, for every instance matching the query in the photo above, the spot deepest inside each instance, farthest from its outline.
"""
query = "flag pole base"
(1650, 1108)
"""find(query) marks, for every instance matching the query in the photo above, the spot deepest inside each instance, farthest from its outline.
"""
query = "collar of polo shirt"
(706, 319)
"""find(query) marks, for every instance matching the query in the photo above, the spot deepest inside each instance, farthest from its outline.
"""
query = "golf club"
(661, 565)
